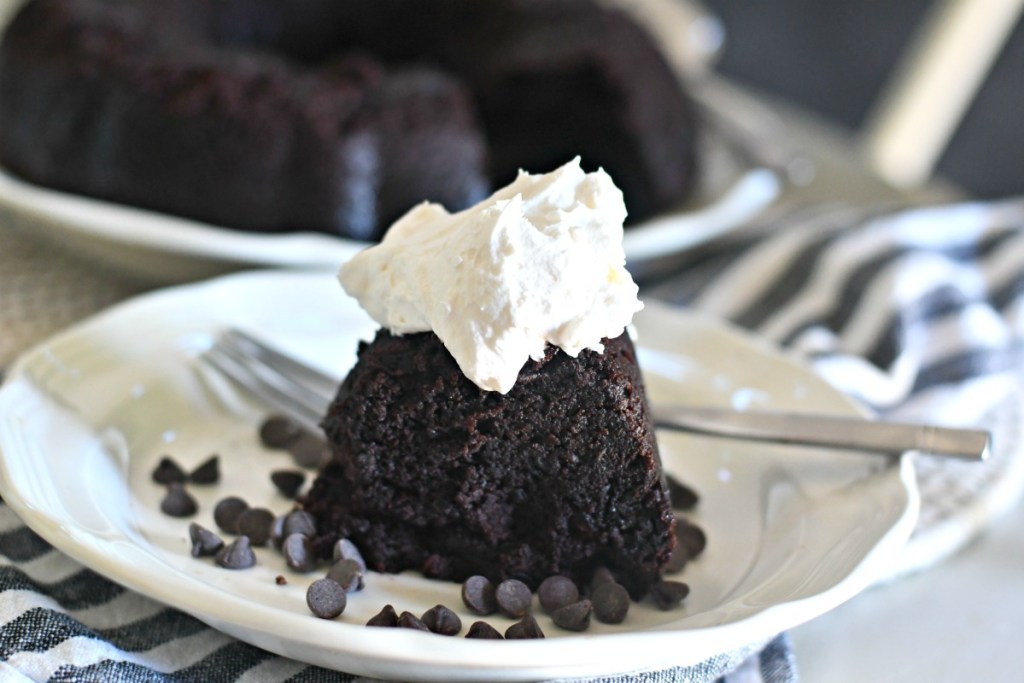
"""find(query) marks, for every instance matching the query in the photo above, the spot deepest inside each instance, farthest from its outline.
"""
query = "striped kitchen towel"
(918, 313)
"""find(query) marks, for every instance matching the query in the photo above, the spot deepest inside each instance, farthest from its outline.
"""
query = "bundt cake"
(559, 476)
(275, 115)
(142, 103)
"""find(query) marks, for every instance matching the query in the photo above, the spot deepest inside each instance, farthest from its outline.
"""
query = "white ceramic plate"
(85, 417)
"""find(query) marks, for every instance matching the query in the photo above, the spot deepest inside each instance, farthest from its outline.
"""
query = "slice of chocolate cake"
(560, 475)
(497, 424)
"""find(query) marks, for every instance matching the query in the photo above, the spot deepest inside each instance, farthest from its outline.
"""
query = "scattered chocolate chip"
(168, 472)
(478, 595)
(288, 482)
(557, 591)
(345, 549)
(573, 617)
(236, 555)
(326, 599)
(297, 553)
(204, 542)
(277, 531)
(513, 598)
(435, 566)
(601, 575)
(410, 620)
(256, 524)
(207, 473)
(527, 627)
(278, 431)
(677, 560)
(668, 594)
(227, 512)
(681, 496)
(280, 580)
(691, 537)
(308, 451)
(442, 620)
(483, 630)
(299, 522)
(386, 617)
(348, 574)
(611, 602)
(178, 502)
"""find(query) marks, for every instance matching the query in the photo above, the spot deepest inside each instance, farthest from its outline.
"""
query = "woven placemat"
(44, 289)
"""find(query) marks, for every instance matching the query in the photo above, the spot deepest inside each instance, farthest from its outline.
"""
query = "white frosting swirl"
(538, 262)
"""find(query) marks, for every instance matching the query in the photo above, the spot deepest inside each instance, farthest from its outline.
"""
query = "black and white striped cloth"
(62, 622)
(917, 314)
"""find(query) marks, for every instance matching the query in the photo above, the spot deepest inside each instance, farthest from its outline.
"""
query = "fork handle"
(827, 431)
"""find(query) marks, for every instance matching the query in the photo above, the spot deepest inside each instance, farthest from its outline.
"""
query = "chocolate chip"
(308, 451)
(483, 630)
(299, 522)
(691, 537)
(527, 627)
(178, 502)
(236, 555)
(442, 620)
(410, 620)
(573, 617)
(297, 553)
(207, 473)
(280, 580)
(227, 512)
(611, 602)
(288, 482)
(478, 595)
(345, 549)
(168, 472)
(601, 575)
(386, 617)
(435, 566)
(326, 599)
(557, 591)
(204, 542)
(278, 431)
(348, 574)
(677, 560)
(668, 594)
(256, 523)
(277, 531)
(513, 598)
(681, 496)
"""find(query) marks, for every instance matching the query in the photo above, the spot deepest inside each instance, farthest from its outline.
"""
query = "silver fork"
(301, 392)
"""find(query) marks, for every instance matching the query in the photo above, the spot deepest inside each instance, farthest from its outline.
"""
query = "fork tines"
(292, 388)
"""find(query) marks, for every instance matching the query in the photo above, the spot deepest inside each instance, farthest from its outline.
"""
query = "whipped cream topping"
(538, 262)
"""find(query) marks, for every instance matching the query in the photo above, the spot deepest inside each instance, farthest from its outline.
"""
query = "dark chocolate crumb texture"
(429, 472)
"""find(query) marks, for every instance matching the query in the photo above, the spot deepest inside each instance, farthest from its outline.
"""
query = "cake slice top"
(539, 262)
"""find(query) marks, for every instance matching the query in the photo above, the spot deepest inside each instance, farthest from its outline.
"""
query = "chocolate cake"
(140, 103)
(561, 475)
(276, 115)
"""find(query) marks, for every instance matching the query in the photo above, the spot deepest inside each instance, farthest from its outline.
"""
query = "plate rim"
(113, 232)
(671, 233)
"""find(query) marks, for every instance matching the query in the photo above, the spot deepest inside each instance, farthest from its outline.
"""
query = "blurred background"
(855, 46)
